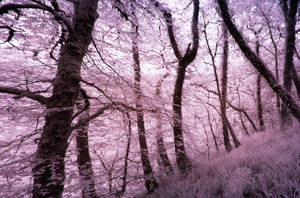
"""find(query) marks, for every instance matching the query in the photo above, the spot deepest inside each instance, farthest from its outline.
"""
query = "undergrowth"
(267, 165)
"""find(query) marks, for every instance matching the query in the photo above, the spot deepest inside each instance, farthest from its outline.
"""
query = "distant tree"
(259, 106)
(222, 89)
(275, 53)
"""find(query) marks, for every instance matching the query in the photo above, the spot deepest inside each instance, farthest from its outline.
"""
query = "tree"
(150, 181)
(258, 84)
(257, 62)
(275, 54)
(182, 160)
(162, 152)
(48, 165)
(222, 92)
(84, 161)
(289, 72)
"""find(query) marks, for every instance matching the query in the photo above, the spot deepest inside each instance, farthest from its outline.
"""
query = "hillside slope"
(266, 165)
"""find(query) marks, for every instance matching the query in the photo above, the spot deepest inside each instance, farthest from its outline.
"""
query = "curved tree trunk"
(182, 160)
(84, 161)
(150, 181)
(48, 165)
(257, 62)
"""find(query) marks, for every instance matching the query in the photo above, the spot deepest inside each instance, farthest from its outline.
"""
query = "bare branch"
(99, 112)
(258, 63)
(11, 32)
(169, 21)
(239, 109)
(15, 7)
(24, 93)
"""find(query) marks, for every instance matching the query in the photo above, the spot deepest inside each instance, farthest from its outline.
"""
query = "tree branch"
(24, 93)
(169, 21)
(11, 32)
(15, 7)
(258, 63)
(195, 31)
(231, 105)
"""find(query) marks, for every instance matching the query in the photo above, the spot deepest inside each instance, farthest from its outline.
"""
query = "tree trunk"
(223, 94)
(162, 152)
(212, 131)
(289, 72)
(182, 160)
(258, 90)
(243, 124)
(257, 62)
(150, 181)
(125, 170)
(259, 104)
(84, 161)
(48, 165)
(276, 58)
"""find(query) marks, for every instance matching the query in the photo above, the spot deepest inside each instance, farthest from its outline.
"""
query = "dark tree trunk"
(150, 181)
(84, 161)
(223, 94)
(48, 165)
(257, 62)
(289, 72)
(259, 104)
(162, 152)
(258, 91)
(243, 124)
(182, 160)
(212, 131)
(125, 170)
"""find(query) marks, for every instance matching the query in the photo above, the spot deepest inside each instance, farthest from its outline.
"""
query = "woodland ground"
(266, 165)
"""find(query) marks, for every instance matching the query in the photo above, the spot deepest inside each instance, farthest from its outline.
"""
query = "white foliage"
(266, 165)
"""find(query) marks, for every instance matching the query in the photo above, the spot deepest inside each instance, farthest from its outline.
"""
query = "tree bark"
(289, 72)
(162, 152)
(223, 94)
(182, 160)
(258, 90)
(212, 131)
(48, 165)
(257, 62)
(259, 104)
(150, 181)
(275, 57)
(125, 170)
(84, 161)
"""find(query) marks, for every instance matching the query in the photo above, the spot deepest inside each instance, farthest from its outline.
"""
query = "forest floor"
(266, 165)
